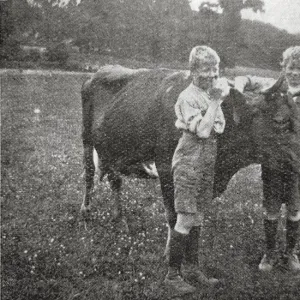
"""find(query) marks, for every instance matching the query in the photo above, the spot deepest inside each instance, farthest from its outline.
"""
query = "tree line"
(146, 29)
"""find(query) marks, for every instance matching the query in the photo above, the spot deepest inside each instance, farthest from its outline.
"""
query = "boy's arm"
(207, 123)
(193, 120)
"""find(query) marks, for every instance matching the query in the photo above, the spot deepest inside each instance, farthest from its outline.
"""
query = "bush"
(73, 65)
(32, 55)
(11, 49)
(58, 53)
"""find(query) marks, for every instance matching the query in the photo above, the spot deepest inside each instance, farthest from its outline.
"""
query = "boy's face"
(206, 77)
(292, 73)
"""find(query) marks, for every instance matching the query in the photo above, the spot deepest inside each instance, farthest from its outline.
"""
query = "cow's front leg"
(115, 182)
(89, 169)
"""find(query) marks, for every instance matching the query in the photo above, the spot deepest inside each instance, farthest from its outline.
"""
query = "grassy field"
(49, 253)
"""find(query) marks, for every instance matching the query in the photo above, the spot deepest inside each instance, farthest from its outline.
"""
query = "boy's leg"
(293, 220)
(292, 237)
(192, 246)
(272, 190)
(191, 268)
(179, 235)
(270, 257)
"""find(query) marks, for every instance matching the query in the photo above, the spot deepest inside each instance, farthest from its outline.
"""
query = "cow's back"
(98, 94)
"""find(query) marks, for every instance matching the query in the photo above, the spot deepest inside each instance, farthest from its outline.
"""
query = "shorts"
(193, 172)
(280, 186)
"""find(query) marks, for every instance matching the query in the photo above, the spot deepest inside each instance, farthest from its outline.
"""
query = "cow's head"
(263, 129)
(272, 123)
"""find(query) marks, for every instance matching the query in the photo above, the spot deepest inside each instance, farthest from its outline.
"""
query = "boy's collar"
(294, 91)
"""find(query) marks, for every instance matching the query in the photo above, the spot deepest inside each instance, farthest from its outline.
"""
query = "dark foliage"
(58, 53)
(148, 30)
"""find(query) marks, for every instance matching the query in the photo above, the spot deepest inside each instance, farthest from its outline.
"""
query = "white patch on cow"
(169, 89)
(151, 169)
(96, 161)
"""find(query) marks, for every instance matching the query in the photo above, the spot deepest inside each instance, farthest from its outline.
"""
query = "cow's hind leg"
(167, 188)
(89, 179)
(115, 182)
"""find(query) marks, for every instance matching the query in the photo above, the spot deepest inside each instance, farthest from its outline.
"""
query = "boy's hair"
(202, 57)
(291, 54)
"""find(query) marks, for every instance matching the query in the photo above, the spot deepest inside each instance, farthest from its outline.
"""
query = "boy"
(280, 186)
(200, 118)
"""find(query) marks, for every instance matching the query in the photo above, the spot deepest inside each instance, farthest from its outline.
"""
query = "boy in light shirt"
(200, 119)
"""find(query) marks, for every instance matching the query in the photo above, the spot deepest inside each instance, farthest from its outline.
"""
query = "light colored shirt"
(191, 107)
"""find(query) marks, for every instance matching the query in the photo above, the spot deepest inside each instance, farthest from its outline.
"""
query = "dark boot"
(174, 281)
(191, 270)
(270, 257)
(292, 237)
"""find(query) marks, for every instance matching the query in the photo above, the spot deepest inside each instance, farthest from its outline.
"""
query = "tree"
(223, 24)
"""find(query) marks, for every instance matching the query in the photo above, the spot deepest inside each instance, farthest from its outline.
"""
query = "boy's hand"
(220, 90)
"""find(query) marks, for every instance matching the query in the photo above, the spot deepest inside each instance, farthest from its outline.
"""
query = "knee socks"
(270, 233)
(177, 249)
(292, 234)
(192, 246)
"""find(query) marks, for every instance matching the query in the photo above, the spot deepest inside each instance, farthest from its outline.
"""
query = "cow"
(128, 118)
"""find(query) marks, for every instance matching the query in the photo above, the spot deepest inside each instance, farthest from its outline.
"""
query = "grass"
(49, 253)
